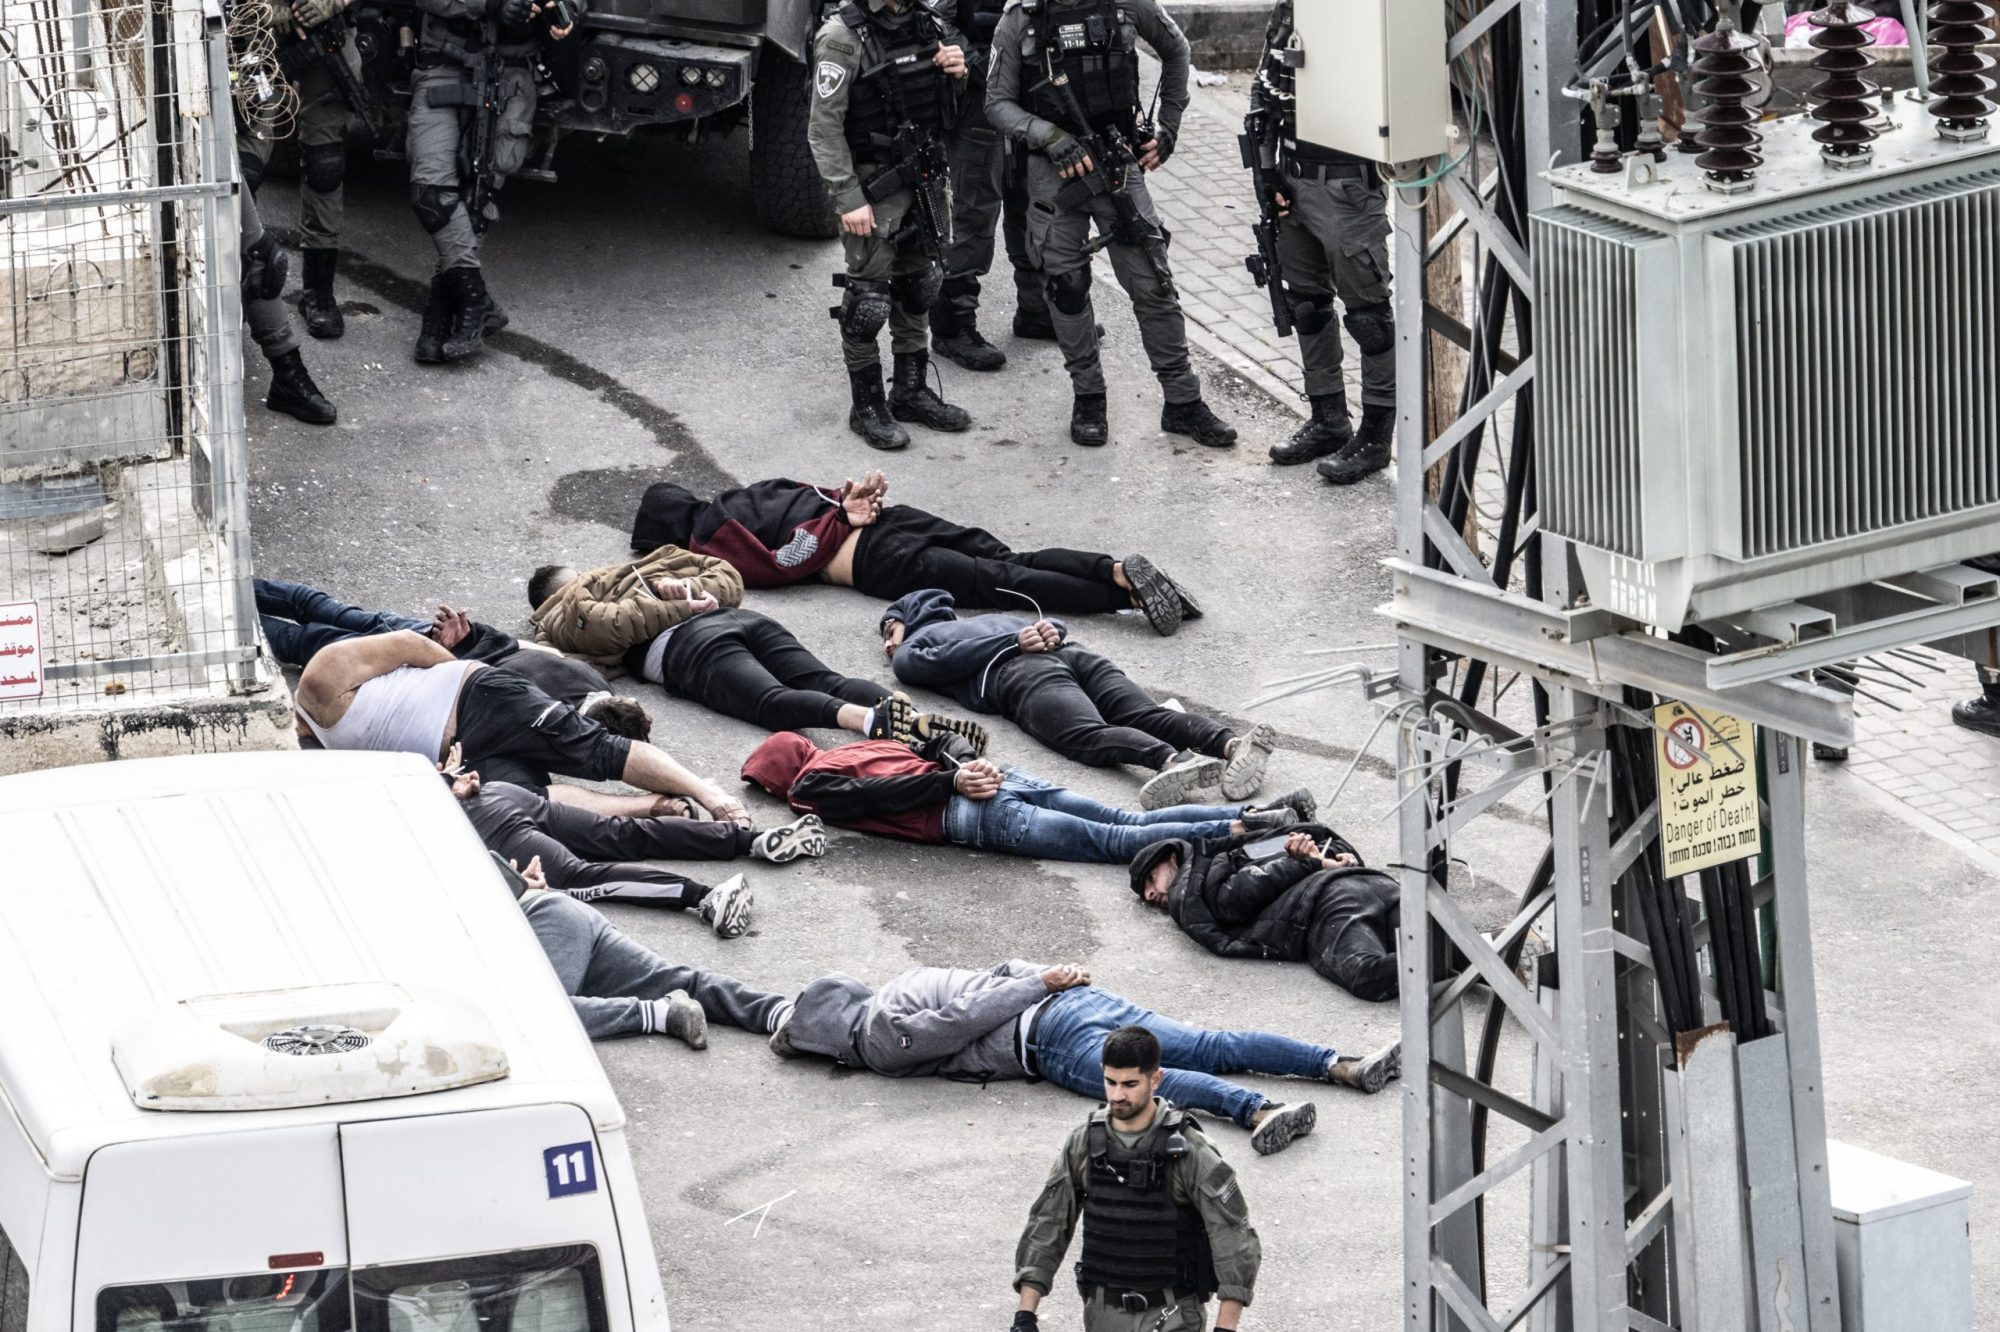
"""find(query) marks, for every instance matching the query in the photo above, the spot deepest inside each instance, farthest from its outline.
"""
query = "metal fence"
(124, 540)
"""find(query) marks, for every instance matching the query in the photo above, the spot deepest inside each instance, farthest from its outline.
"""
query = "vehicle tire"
(785, 187)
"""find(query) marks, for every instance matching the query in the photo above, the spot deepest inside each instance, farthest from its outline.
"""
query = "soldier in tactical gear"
(1333, 241)
(321, 128)
(475, 59)
(988, 181)
(1064, 76)
(1165, 1226)
(265, 266)
(882, 64)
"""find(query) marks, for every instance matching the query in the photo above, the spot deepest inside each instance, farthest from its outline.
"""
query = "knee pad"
(434, 205)
(1312, 310)
(1070, 292)
(863, 311)
(265, 266)
(918, 292)
(1373, 327)
(325, 166)
(252, 166)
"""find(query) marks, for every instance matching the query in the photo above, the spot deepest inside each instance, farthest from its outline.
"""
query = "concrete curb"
(1225, 34)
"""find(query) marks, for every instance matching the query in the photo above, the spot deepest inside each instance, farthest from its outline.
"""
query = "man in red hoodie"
(777, 533)
(941, 793)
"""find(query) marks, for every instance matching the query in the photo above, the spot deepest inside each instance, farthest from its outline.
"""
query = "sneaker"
(684, 1020)
(930, 725)
(727, 907)
(781, 1041)
(896, 719)
(1190, 608)
(1156, 594)
(804, 836)
(1245, 770)
(1185, 773)
(1368, 1075)
(1278, 1126)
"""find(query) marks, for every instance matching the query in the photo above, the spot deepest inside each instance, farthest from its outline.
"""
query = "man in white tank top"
(402, 691)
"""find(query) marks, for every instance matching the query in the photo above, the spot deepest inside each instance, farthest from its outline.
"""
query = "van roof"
(128, 887)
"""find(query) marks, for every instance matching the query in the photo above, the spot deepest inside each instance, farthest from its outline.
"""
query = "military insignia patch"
(831, 77)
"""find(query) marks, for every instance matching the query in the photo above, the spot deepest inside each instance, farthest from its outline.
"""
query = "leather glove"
(312, 13)
(1066, 152)
(512, 14)
(1025, 1321)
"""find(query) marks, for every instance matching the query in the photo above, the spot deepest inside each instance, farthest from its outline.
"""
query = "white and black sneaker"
(803, 836)
(727, 907)
(1245, 771)
(1185, 773)
(1278, 1126)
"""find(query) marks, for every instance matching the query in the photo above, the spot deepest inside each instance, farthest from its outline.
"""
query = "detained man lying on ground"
(942, 793)
(750, 667)
(1070, 699)
(607, 612)
(621, 988)
(1299, 896)
(777, 533)
(403, 692)
(1027, 1020)
(597, 858)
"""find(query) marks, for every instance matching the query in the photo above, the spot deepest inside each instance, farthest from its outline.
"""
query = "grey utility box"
(1902, 1237)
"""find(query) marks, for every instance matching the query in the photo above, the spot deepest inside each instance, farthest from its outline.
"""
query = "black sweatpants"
(1085, 708)
(750, 667)
(594, 856)
(1352, 938)
(906, 550)
(510, 731)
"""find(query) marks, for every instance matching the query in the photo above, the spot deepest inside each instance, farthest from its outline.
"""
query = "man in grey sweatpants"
(621, 988)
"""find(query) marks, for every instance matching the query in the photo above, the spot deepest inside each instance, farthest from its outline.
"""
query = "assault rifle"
(326, 46)
(1266, 266)
(919, 163)
(1105, 147)
(481, 92)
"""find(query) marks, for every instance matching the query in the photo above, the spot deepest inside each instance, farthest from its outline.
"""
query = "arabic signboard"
(1708, 788)
(20, 650)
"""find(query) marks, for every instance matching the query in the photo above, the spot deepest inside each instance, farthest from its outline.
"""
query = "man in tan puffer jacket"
(604, 613)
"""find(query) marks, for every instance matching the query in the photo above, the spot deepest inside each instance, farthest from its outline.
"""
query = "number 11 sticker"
(571, 1168)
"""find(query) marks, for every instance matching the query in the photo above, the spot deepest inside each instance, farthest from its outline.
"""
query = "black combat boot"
(964, 346)
(1980, 714)
(294, 393)
(1036, 326)
(1089, 425)
(1327, 433)
(1198, 423)
(437, 321)
(911, 398)
(1368, 452)
(472, 308)
(317, 307)
(870, 418)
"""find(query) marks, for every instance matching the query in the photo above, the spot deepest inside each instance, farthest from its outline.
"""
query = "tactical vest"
(872, 104)
(1097, 46)
(978, 19)
(1135, 1236)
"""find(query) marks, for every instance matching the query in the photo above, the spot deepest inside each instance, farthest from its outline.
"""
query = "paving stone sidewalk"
(1942, 777)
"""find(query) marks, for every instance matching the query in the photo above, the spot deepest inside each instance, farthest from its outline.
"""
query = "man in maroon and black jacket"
(780, 532)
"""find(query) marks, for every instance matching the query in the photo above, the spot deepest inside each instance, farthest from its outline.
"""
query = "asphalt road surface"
(658, 332)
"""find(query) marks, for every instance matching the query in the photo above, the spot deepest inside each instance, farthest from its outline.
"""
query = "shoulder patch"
(831, 78)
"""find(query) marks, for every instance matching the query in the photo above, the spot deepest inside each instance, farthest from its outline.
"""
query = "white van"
(280, 1053)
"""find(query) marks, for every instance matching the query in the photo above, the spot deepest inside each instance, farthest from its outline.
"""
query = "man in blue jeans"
(1026, 1020)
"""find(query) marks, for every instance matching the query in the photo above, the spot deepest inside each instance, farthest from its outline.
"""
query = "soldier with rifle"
(1331, 218)
(472, 105)
(885, 89)
(1065, 82)
(316, 55)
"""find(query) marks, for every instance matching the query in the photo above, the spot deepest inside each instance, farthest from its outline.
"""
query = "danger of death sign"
(1708, 788)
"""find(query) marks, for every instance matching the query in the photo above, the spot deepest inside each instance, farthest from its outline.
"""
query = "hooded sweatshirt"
(775, 533)
(930, 1020)
(876, 786)
(954, 656)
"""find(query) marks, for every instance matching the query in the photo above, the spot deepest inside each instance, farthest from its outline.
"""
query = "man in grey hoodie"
(1026, 1020)
(1072, 700)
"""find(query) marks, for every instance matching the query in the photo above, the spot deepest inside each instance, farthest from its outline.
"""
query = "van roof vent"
(316, 1039)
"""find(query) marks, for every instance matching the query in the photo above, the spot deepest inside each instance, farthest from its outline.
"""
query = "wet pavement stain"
(607, 495)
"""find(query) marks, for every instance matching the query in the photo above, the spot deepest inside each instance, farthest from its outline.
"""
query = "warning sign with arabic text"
(20, 650)
(1708, 788)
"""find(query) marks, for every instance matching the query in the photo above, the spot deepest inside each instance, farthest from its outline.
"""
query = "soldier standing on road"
(1093, 46)
(986, 178)
(1165, 1225)
(1333, 240)
(446, 101)
(882, 63)
(321, 128)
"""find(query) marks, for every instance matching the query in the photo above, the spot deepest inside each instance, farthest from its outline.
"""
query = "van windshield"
(308, 1301)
